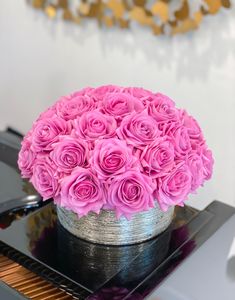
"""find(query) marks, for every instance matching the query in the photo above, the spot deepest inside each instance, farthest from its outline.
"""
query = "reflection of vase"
(40, 226)
(117, 293)
(106, 229)
(93, 264)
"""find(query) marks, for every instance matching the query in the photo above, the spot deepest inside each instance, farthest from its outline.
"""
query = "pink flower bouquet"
(114, 148)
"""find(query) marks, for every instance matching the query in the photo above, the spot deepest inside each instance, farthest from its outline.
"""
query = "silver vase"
(106, 229)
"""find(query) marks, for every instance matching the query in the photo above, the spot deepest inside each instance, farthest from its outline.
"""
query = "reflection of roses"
(130, 193)
(69, 153)
(46, 240)
(111, 158)
(115, 293)
(178, 238)
(82, 192)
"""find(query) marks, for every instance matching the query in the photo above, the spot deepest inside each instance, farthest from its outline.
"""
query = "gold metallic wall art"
(162, 16)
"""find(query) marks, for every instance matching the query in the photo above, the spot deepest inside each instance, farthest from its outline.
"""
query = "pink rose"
(69, 153)
(162, 109)
(138, 129)
(82, 192)
(75, 106)
(179, 137)
(120, 105)
(174, 188)
(49, 113)
(115, 148)
(157, 158)
(94, 125)
(47, 131)
(85, 91)
(196, 167)
(26, 158)
(131, 193)
(194, 130)
(101, 91)
(144, 95)
(208, 162)
(111, 157)
(45, 177)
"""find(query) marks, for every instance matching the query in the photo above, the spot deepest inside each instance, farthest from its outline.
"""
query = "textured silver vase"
(106, 229)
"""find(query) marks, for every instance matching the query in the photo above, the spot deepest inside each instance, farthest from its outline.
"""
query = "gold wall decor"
(162, 16)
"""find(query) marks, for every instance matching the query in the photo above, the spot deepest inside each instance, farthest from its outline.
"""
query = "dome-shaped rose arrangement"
(114, 148)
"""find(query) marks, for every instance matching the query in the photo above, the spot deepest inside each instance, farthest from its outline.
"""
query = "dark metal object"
(26, 202)
(9, 147)
(14, 132)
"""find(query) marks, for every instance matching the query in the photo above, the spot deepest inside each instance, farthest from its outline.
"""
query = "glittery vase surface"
(105, 229)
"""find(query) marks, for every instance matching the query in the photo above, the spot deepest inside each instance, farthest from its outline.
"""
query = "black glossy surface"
(41, 237)
(131, 270)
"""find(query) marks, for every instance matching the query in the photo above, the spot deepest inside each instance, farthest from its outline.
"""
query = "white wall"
(42, 59)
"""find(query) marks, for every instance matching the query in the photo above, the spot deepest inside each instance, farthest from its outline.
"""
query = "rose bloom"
(157, 158)
(111, 157)
(193, 128)
(178, 135)
(69, 153)
(94, 125)
(82, 192)
(138, 129)
(101, 91)
(120, 105)
(45, 177)
(47, 131)
(75, 106)
(144, 95)
(208, 162)
(49, 113)
(195, 164)
(174, 188)
(85, 91)
(26, 158)
(163, 109)
(130, 193)
(115, 148)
